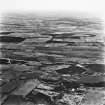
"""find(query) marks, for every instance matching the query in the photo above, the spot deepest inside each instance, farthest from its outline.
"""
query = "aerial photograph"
(51, 60)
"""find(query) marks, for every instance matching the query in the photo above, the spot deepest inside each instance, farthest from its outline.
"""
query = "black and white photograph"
(51, 57)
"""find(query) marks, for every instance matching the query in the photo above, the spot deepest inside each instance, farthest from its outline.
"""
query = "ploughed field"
(51, 60)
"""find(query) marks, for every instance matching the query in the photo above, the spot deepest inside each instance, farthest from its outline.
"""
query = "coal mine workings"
(51, 60)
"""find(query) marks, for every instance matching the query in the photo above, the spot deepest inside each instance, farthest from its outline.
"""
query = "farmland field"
(51, 60)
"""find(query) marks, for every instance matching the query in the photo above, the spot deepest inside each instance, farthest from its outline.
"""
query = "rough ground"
(51, 61)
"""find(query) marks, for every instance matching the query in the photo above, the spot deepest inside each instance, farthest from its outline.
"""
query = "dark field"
(51, 60)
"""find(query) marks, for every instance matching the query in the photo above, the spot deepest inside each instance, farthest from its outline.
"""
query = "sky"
(82, 7)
